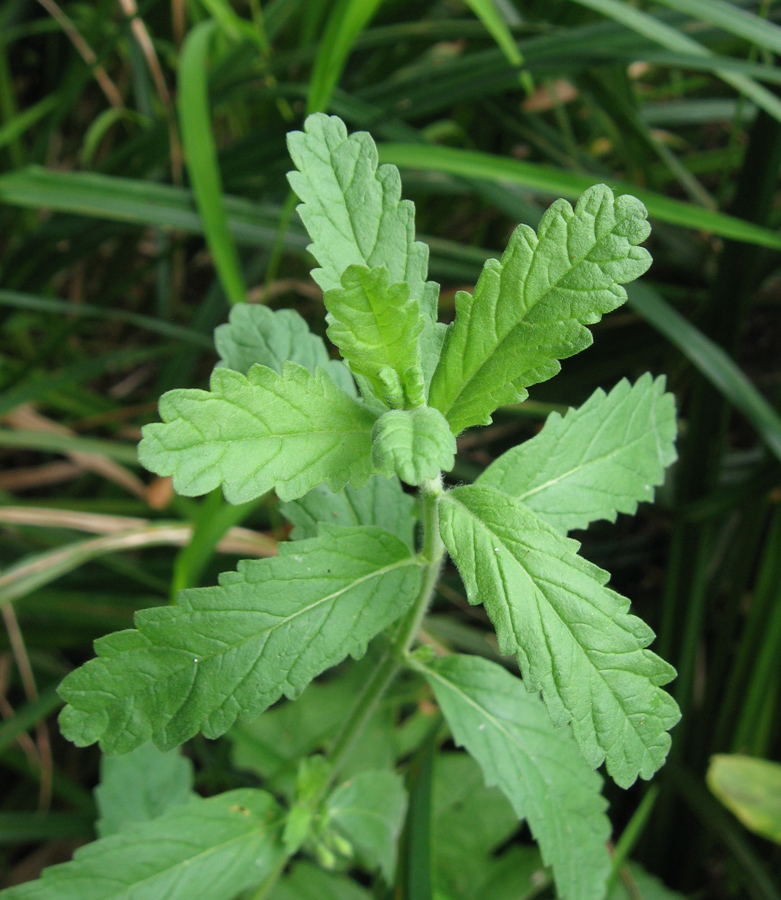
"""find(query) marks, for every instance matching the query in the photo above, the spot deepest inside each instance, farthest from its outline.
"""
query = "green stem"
(431, 556)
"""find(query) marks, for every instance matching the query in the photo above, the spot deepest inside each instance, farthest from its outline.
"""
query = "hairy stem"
(431, 556)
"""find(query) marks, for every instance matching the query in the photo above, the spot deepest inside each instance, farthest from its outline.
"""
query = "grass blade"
(546, 180)
(200, 154)
(712, 361)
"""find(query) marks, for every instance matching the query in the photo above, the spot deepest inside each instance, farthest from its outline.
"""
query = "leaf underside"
(574, 637)
(222, 652)
(538, 767)
(288, 432)
(530, 310)
(596, 461)
(207, 848)
(381, 501)
(256, 334)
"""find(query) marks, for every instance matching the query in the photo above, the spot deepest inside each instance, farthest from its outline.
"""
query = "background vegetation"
(143, 191)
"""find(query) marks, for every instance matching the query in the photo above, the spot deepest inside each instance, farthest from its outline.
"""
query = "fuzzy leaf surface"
(376, 326)
(208, 848)
(538, 768)
(288, 432)
(530, 310)
(574, 637)
(369, 810)
(355, 216)
(141, 786)
(381, 501)
(596, 461)
(222, 652)
(413, 444)
(257, 334)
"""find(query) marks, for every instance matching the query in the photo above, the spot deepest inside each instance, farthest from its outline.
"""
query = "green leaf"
(141, 786)
(413, 444)
(643, 884)
(381, 501)
(471, 823)
(751, 789)
(376, 327)
(256, 334)
(306, 881)
(530, 310)
(222, 652)
(538, 767)
(369, 810)
(354, 214)
(259, 432)
(274, 743)
(574, 637)
(597, 461)
(208, 848)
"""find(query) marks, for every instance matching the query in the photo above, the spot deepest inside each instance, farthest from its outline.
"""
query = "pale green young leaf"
(306, 881)
(256, 334)
(597, 461)
(413, 444)
(354, 214)
(207, 848)
(381, 501)
(574, 637)
(376, 326)
(538, 767)
(140, 786)
(368, 810)
(259, 432)
(530, 310)
(222, 652)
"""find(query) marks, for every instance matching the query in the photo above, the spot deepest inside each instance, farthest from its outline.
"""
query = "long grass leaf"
(712, 361)
(667, 36)
(348, 19)
(547, 180)
(200, 154)
(731, 18)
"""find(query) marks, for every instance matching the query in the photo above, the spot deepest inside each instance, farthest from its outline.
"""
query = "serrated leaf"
(208, 848)
(222, 652)
(539, 769)
(141, 786)
(376, 326)
(597, 461)
(369, 810)
(574, 637)
(354, 214)
(381, 501)
(256, 334)
(413, 444)
(265, 431)
(309, 882)
(530, 310)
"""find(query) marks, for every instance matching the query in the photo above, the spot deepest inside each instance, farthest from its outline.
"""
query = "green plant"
(280, 415)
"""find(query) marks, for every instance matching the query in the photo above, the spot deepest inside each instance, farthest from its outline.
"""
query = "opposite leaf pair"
(281, 415)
